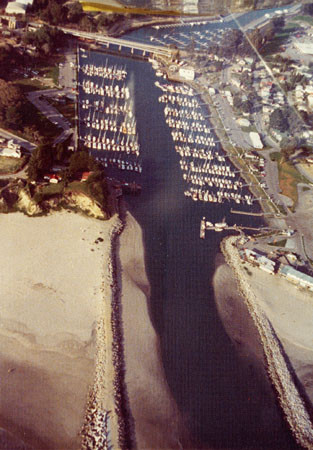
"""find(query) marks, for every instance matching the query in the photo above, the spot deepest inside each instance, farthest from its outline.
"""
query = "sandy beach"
(153, 410)
(50, 280)
(56, 338)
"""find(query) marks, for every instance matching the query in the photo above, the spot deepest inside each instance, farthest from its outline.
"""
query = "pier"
(247, 213)
(223, 226)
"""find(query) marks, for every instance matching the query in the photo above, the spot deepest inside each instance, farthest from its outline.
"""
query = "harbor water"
(217, 395)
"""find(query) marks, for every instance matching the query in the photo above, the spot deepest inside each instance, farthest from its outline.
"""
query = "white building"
(15, 8)
(187, 73)
(243, 122)
(305, 47)
(11, 152)
(296, 276)
(310, 101)
(255, 139)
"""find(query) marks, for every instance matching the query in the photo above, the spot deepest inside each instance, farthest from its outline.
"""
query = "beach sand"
(50, 282)
(154, 412)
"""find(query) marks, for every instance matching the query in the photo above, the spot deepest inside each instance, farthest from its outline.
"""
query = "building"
(18, 7)
(14, 23)
(305, 47)
(11, 152)
(255, 139)
(15, 8)
(85, 176)
(187, 73)
(297, 277)
(260, 260)
(243, 122)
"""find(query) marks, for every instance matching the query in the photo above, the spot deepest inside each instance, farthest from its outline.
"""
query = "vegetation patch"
(275, 156)
(280, 243)
(28, 84)
(289, 177)
(53, 73)
(307, 19)
(11, 165)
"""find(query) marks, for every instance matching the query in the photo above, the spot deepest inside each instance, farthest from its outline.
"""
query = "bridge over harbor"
(122, 43)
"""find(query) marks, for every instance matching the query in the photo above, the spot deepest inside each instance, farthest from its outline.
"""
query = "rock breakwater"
(106, 422)
(289, 397)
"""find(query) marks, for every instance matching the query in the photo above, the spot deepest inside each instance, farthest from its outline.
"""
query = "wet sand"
(153, 411)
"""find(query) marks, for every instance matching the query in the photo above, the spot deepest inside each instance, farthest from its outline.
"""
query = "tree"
(14, 116)
(87, 24)
(288, 146)
(60, 151)
(279, 22)
(103, 21)
(279, 120)
(75, 12)
(308, 9)
(40, 161)
(46, 38)
(79, 162)
(12, 102)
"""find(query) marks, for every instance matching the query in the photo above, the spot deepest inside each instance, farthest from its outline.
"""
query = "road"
(236, 136)
(67, 73)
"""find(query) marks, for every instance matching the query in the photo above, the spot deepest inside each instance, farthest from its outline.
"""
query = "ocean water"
(219, 396)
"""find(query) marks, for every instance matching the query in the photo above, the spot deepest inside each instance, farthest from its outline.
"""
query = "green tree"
(14, 116)
(40, 161)
(12, 101)
(46, 37)
(288, 147)
(75, 12)
(87, 24)
(308, 9)
(279, 120)
(79, 162)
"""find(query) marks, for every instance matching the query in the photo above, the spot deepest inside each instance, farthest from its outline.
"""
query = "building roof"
(255, 139)
(290, 272)
(15, 8)
(305, 47)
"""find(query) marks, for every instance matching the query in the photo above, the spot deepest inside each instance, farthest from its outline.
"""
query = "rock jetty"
(289, 397)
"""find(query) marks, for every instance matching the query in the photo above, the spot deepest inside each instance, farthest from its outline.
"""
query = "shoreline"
(288, 395)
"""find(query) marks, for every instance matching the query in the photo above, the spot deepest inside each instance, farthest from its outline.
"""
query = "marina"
(202, 160)
(107, 126)
(211, 385)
